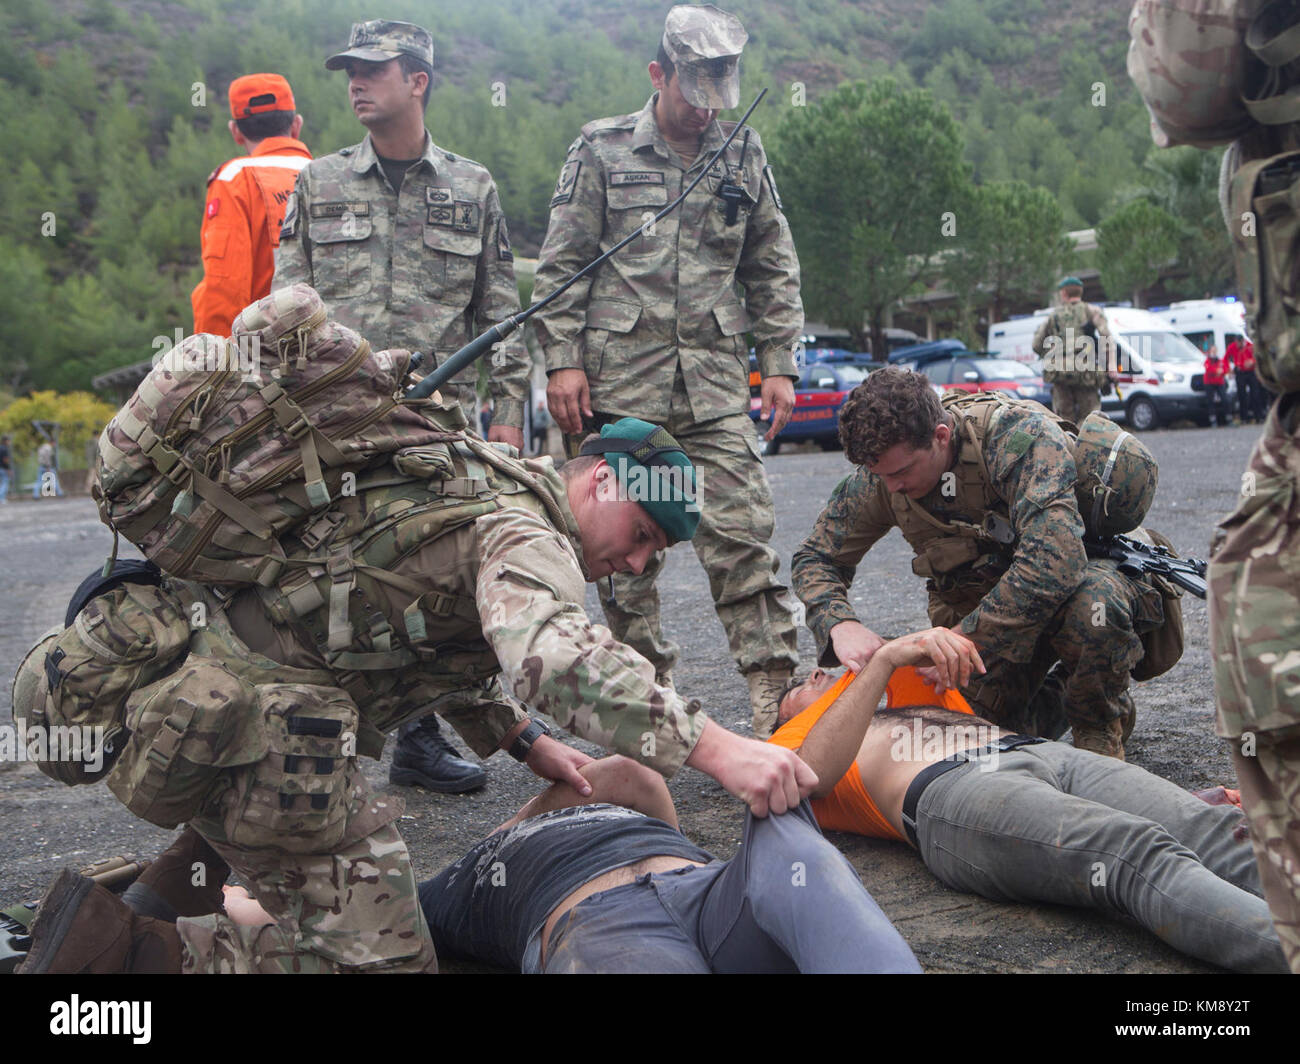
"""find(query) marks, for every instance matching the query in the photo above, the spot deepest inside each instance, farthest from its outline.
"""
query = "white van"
(1207, 321)
(1160, 370)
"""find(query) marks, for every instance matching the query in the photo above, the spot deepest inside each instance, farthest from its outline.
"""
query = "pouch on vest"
(72, 687)
(1162, 645)
(296, 799)
(186, 729)
(1265, 230)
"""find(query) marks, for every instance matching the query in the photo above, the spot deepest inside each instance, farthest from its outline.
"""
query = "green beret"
(653, 470)
(1069, 281)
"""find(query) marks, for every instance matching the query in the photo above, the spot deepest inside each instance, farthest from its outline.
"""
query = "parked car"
(1159, 369)
(917, 355)
(818, 395)
(971, 372)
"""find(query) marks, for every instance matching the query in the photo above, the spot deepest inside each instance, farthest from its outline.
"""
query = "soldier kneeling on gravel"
(984, 490)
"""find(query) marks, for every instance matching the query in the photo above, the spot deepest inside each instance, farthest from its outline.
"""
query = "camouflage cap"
(652, 470)
(380, 40)
(704, 44)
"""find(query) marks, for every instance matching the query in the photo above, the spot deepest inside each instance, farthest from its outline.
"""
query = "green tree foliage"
(1008, 243)
(81, 417)
(880, 171)
(1133, 245)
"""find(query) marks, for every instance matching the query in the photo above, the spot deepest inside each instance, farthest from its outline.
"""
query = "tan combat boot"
(1100, 737)
(765, 689)
(81, 927)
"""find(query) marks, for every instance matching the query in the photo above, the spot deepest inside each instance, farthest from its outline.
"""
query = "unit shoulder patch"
(567, 182)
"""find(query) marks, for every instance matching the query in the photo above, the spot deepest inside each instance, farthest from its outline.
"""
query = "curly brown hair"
(890, 407)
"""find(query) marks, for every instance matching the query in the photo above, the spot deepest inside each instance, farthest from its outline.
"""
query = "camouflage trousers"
(1075, 403)
(345, 905)
(1078, 672)
(1255, 639)
(736, 524)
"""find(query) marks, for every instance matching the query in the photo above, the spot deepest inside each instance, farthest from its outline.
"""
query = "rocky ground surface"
(47, 547)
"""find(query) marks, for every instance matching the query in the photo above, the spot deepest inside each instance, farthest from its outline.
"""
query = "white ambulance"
(1160, 370)
(1207, 321)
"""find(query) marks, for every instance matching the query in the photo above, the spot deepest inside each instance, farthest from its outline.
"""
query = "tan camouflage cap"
(704, 44)
(379, 40)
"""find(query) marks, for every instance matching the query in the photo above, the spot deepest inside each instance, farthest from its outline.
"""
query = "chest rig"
(971, 546)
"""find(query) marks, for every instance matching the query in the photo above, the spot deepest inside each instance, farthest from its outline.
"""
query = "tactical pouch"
(942, 556)
(296, 798)
(186, 729)
(1162, 635)
(80, 677)
(1265, 229)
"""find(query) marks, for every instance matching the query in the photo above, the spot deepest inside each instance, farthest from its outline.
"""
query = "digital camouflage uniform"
(426, 268)
(1078, 375)
(491, 583)
(660, 334)
(1026, 605)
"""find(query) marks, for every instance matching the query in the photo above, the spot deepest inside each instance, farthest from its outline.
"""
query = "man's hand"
(854, 644)
(507, 434)
(766, 778)
(553, 760)
(955, 658)
(568, 397)
(777, 394)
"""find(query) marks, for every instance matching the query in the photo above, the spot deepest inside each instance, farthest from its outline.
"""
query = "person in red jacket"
(246, 201)
(1216, 387)
(1250, 393)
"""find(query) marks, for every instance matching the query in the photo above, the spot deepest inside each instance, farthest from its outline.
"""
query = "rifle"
(115, 873)
(477, 347)
(1136, 559)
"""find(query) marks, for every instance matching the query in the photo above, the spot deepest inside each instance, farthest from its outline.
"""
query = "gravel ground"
(49, 546)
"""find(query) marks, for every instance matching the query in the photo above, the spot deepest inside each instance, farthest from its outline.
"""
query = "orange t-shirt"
(849, 807)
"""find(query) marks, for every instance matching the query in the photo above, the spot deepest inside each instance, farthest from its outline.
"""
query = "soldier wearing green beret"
(499, 599)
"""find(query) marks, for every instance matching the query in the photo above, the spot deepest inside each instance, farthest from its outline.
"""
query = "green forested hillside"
(114, 114)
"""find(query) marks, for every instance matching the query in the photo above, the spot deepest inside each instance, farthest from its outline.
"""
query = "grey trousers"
(787, 902)
(1056, 824)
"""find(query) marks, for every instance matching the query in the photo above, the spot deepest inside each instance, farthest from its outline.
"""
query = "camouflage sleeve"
(855, 517)
(530, 595)
(293, 256)
(496, 297)
(1098, 317)
(1030, 462)
(769, 271)
(1040, 336)
(572, 240)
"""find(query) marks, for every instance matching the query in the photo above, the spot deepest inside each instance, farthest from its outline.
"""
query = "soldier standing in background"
(1074, 343)
(659, 333)
(408, 245)
(246, 201)
(1190, 67)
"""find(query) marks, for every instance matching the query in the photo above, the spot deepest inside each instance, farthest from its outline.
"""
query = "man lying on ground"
(1018, 818)
(606, 882)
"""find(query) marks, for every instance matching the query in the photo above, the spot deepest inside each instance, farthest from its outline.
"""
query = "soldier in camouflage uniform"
(999, 537)
(1205, 85)
(496, 563)
(407, 244)
(405, 241)
(1076, 347)
(659, 333)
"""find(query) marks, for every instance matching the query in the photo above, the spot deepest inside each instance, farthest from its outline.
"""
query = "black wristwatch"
(525, 739)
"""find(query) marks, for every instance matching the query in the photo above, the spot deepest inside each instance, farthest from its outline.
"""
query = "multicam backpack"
(217, 453)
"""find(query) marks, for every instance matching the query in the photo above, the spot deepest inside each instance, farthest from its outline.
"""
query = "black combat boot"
(184, 880)
(424, 756)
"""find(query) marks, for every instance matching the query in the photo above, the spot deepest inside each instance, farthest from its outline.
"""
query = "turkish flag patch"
(213, 207)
